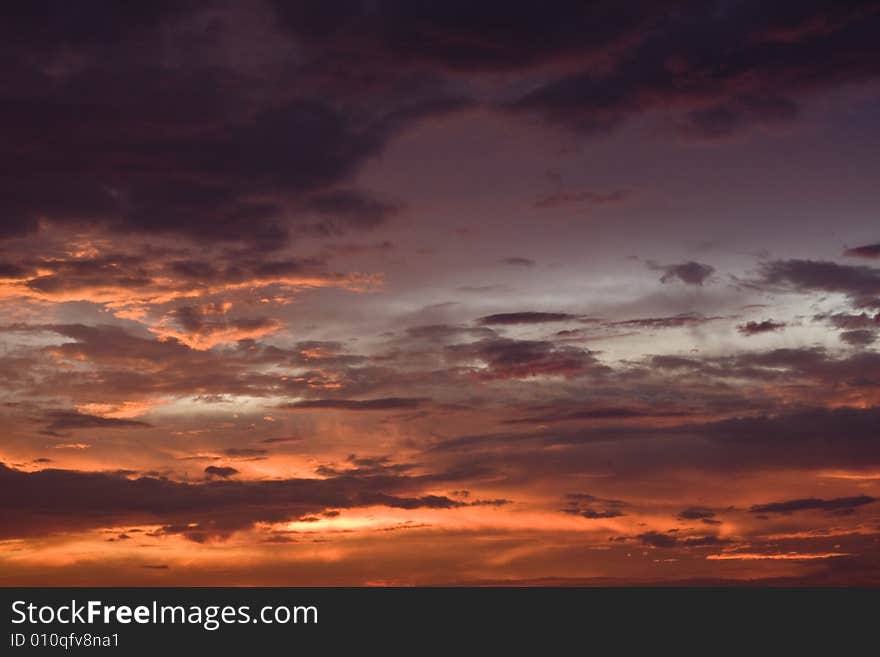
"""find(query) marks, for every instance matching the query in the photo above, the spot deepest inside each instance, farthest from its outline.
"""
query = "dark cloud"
(13, 271)
(354, 249)
(696, 513)
(860, 283)
(593, 514)
(291, 150)
(592, 507)
(811, 364)
(368, 461)
(383, 404)
(445, 332)
(343, 208)
(766, 326)
(504, 358)
(860, 338)
(464, 37)
(211, 320)
(690, 273)
(158, 159)
(525, 318)
(720, 69)
(71, 420)
(118, 132)
(866, 251)
(603, 413)
(675, 321)
(728, 117)
(675, 362)
(667, 540)
(370, 466)
(814, 439)
(52, 500)
(245, 452)
(658, 539)
(221, 471)
(850, 321)
(94, 22)
(209, 150)
(832, 426)
(705, 541)
(109, 125)
(836, 505)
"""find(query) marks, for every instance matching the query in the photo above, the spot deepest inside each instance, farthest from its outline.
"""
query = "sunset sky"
(397, 292)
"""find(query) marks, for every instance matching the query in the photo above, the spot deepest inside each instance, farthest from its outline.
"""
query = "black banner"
(289, 620)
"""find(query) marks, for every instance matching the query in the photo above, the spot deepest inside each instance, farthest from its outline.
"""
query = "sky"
(426, 293)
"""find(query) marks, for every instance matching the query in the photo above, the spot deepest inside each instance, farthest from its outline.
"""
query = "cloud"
(525, 318)
(690, 273)
(717, 71)
(665, 540)
(219, 148)
(730, 116)
(697, 513)
(866, 251)
(836, 426)
(202, 327)
(383, 404)
(51, 500)
(593, 514)
(11, 270)
(860, 283)
(602, 413)
(223, 472)
(210, 148)
(200, 299)
(446, 332)
(178, 179)
(464, 38)
(859, 338)
(836, 505)
(592, 507)
(245, 452)
(851, 321)
(92, 24)
(675, 321)
(755, 328)
(126, 369)
(813, 439)
(72, 420)
(353, 208)
(657, 539)
(503, 358)
(365, 466)
(705, 541)
(355, 249)
(291, 151)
